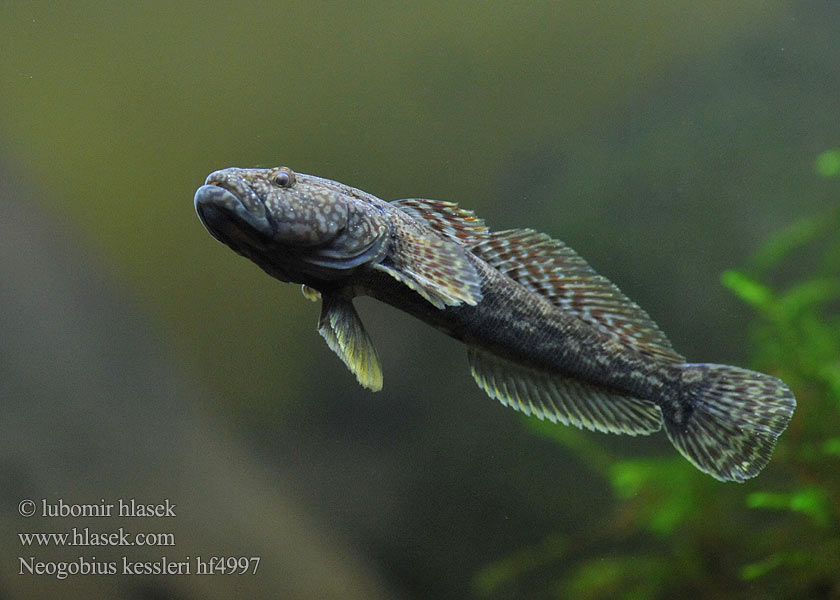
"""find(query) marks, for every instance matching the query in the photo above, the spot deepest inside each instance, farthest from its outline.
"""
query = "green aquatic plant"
(828, 163)
(670, 531)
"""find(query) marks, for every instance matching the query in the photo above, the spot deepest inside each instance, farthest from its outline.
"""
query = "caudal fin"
(735, 417)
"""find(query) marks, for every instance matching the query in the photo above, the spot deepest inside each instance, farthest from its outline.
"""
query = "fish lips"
(229, 219)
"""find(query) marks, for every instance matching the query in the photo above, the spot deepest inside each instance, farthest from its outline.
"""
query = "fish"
(545, 334)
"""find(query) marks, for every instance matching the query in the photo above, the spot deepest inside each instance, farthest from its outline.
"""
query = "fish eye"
(284, 178)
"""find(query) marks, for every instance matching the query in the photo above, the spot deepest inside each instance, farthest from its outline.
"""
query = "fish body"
(545, 333)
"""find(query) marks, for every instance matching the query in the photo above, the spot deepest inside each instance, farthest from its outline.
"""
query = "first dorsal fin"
(561, 399)
(447, 218)
(553, 270)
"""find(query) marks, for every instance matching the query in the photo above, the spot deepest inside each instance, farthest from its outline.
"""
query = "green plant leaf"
(748, 289)
(810, 501)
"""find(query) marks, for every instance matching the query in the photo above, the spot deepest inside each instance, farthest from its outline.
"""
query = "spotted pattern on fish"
(545, 334)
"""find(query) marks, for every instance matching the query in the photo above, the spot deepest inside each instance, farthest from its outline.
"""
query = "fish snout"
(226, 203)
(232, 181)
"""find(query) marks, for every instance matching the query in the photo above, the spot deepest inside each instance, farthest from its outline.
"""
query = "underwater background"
(690, 151)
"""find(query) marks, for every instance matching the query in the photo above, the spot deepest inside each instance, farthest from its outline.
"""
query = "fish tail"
(729, 421)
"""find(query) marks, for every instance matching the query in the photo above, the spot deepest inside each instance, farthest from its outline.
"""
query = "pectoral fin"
(436, 267)
(344, 333)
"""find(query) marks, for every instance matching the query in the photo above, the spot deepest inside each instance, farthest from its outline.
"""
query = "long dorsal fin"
(447, 218)
(560, 399)
(344, 333)
(553, 270)
(433, 265)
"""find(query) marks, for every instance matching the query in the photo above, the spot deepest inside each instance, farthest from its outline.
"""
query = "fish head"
(297, 227)
(268, 204)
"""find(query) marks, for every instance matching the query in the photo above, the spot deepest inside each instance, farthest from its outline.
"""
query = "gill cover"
(334, 229)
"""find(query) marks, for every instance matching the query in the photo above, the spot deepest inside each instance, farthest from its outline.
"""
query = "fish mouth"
(232, 211)
(231, 180)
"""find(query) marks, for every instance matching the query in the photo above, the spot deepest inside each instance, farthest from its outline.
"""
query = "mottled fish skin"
(546, 335)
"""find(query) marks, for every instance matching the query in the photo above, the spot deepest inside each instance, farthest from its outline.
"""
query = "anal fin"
(561, 399)
(345, 334)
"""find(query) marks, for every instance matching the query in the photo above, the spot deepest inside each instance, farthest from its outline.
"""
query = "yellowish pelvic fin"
(344, 333)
